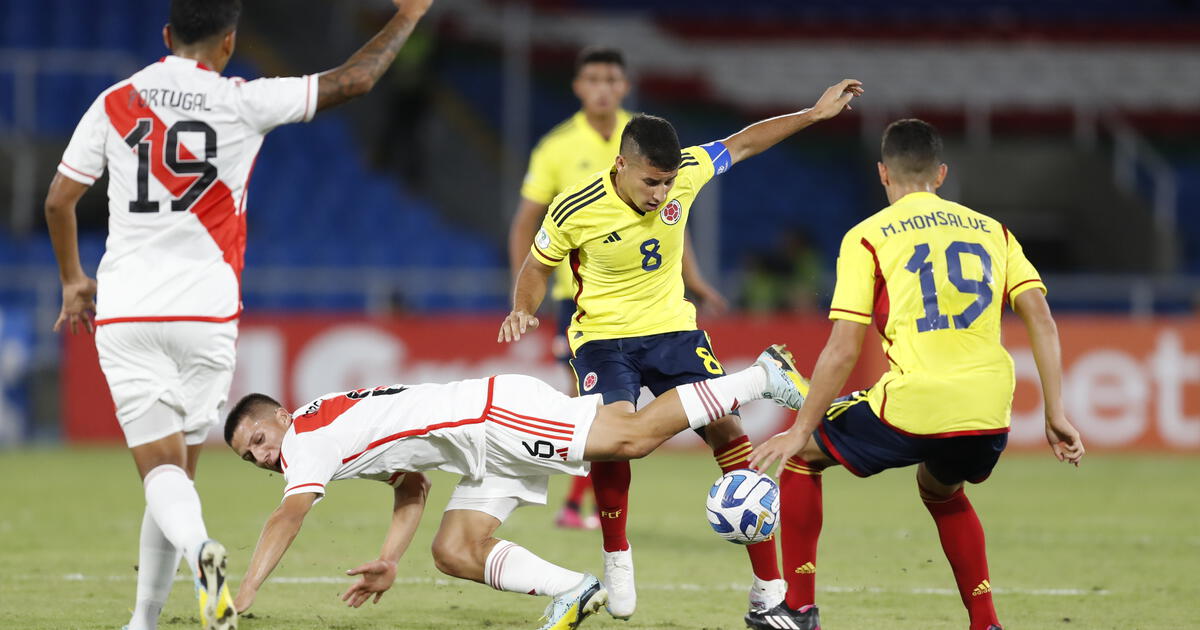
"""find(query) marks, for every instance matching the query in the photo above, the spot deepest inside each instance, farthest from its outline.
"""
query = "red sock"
(962, 540)
(763, 559)
(579, 487)
(800, 516)
(610, 480)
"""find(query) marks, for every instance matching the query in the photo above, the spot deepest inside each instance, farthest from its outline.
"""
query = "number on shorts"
(710, 362)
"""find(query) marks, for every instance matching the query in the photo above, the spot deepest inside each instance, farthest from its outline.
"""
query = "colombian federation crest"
(589, 381)
(672, 212)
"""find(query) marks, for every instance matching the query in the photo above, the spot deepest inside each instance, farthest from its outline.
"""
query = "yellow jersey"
(934, 276)
(627, 264)
(567, 153)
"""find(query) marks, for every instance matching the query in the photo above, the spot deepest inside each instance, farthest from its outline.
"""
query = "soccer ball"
(743, 506)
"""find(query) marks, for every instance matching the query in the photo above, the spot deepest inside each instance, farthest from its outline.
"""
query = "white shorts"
(498, 496)
(535, 430)
(188, 366)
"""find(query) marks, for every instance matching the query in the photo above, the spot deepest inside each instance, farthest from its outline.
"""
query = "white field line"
(683, 586)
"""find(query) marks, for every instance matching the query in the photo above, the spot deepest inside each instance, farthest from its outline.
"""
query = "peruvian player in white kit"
(505, 435)
(179, 142)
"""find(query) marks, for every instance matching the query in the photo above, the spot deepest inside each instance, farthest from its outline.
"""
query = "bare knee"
(454, 556)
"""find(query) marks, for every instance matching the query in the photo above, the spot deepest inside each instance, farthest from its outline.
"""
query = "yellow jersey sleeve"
(541, 181)
(553, 243)
(1019, 274)
(854, 293)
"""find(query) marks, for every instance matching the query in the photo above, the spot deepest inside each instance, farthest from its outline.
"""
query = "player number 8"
(651, 259)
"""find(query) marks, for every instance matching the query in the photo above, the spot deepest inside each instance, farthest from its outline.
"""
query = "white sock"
(711, 400)
(171, 498)
(511, 567)
(158, 560)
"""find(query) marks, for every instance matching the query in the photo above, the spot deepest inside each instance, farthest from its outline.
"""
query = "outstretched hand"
(515, 325)
(777, 450)
(837, 97)
(377, 577)
(1064, 440)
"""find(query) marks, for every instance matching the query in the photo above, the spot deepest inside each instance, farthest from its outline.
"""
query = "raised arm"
(829, 376)
(1033, 310)
(360, 72)
(78, 290)
(765, 134)
(527, 297)
(520, 233)
(378, 575)
(277, 535)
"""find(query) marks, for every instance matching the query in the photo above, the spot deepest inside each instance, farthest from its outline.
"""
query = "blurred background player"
(583, 144)
(934, 276)
(505, 435)
(179, 142)
(622, 230)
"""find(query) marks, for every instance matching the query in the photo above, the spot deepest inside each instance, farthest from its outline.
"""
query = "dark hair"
(249, 405)
(912, 147)
(654, 139)
(197, 20)
(598, 54)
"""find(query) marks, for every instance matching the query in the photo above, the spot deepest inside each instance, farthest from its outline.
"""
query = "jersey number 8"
(142, 138)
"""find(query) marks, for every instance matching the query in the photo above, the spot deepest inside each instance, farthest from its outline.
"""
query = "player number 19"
(920, 264)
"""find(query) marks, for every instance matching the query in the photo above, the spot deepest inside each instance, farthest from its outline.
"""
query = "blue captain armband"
(719, 156)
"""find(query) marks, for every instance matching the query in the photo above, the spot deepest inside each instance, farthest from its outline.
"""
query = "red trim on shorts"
(834, 452)
(72, 168)
(566, 433)
(527, 431)
(517, 415)
(170, 318)
(430, 428)
(304, 485)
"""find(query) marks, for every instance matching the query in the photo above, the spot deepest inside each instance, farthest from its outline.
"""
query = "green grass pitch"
(1114, 544)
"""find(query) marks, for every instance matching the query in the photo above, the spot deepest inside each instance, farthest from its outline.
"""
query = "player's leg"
(940, 483)
(603, 367)
(465, 546)
(571, 515)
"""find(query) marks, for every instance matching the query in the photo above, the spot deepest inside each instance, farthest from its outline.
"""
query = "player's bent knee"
(453, 556)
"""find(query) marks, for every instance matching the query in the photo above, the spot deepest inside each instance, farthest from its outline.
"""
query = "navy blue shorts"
(564, 310)
(853, 435)
(618, 368)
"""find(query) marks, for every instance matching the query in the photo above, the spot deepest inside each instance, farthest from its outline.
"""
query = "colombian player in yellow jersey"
(934, 277)
(621, 230)
(579, 146)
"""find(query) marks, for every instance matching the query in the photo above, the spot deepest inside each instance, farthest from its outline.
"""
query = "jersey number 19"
(142, 138)
(920, 264)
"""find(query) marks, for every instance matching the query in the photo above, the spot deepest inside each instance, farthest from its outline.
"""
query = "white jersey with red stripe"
(179, 142)
(505, 426)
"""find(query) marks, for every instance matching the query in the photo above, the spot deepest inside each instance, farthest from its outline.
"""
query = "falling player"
(622, 231)
(505, 435)
(934, 276)
(583, 144)
(179, 142)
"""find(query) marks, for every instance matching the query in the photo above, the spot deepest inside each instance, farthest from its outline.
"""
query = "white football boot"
(618, 579)
(217, 611)
(766, 594)
(569, 610)
(785, 384)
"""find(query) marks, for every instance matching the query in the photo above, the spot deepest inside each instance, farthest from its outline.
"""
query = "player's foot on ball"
(766, 594)
(785, 384)
(216, 604)
(571, 518)
(618, 579)
(569, 610)
(783, 617)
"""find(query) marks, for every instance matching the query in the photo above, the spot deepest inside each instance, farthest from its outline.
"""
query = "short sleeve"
(697, 166)
(84, 160)
(553, 242)
(268, 103)
(311, 465)
(540, 183)
(854, 293)
(1019, 274)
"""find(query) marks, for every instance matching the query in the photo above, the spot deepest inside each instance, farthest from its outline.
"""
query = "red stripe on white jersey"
(214, 208)
(326, 412)
(548, 426)
(305, 485)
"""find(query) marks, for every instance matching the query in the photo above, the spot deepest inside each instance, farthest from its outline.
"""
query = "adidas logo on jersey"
(806, 568)
(984, 587)
(612, 238)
